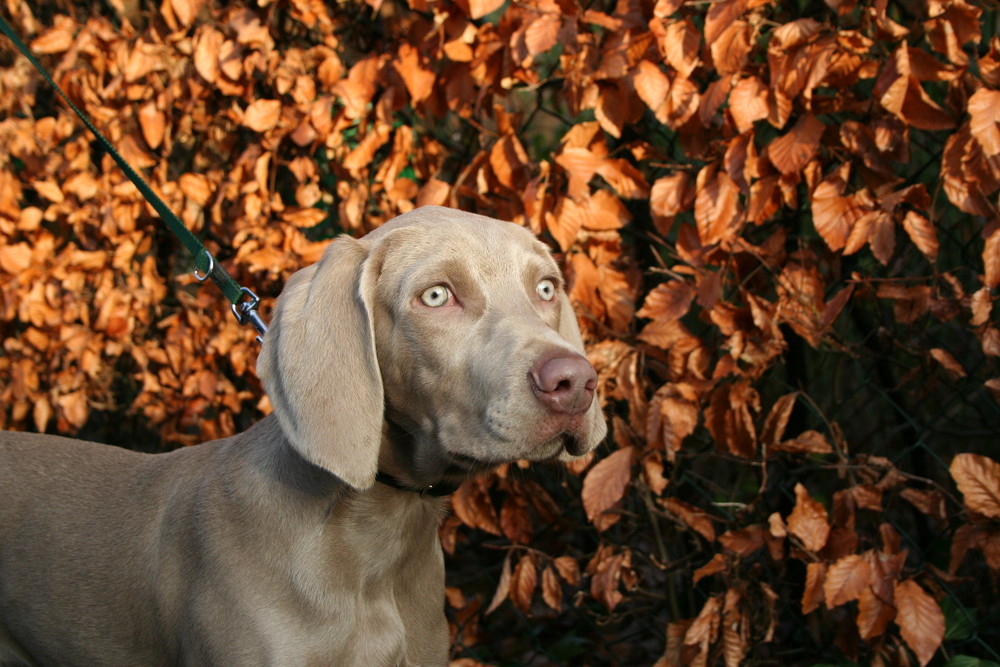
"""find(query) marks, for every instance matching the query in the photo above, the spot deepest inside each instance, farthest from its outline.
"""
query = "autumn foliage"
(779, 222)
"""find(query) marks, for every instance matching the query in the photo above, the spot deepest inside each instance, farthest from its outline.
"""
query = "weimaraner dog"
(435, 348)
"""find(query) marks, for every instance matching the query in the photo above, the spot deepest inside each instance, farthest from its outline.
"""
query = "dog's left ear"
(319, 368)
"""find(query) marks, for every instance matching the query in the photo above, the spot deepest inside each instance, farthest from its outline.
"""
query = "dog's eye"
(436, 296)
(546, 289)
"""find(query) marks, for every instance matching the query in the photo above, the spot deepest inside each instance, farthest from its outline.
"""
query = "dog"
(435, 348)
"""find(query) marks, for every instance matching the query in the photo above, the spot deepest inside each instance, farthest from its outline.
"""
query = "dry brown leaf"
(410, 65)
(680, 47)
(991, 260)
(569, 569)
(978, 479)
(808, 521)
(552, 592)
(743, 541)
(777, 419)
(262, 115)
(543, 33)
(606, 482)
(790, 152)
(56, 39)
(948, 362)
(731, 49)
(472, 505)
(693, 517)
(720, 16)
(921, 232)
(15, 258)
(982, 305)
(503, 586)
(845, 580)
(920, 620)
(668, 301)
(523, 583)
(207, 46)
(477, 9)
(714, 566)
(807, 442)
(717, 208)
(984, 110)
(748, 103)
(651, 85)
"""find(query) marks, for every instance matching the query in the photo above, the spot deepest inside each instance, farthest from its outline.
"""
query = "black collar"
(434, 490)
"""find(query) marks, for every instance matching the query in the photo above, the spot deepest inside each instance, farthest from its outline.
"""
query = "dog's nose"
(564, 383)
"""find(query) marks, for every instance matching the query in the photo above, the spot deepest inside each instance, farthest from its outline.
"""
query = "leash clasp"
(246, 313)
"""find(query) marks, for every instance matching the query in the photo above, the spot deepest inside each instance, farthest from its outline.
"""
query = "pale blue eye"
(546, 289)
(436, 296)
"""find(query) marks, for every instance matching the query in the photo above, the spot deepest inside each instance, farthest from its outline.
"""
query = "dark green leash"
(244, 301)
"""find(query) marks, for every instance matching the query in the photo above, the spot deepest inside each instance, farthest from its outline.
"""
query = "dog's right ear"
(319, 368)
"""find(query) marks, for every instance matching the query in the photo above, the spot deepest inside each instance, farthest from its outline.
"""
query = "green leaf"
(969, 661)
(959, 621)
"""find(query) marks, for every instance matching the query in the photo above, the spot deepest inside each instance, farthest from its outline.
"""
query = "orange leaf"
(569, 569)
(729, 51)
(791, 152)
(514, 520)
(668, 301)
(808, 521)
(748, 103)
(982, 305)
(808, 442)
(812, 596)
(606, 482)
(991, 260)
(705, 628)
(984, 108)
(835, 215)
(551, 589)
(477, 9)
(978, 479)
(735, 629)
(679, 45)
(922, 233)
(503, 586)
(693, 517)
(15, 258)
(523, 583)
(357, 90)
(262, 115)
(509, 161)
(920, 621)
(56, 39)
(418, 80)
(543, 33)
(714, 566)
(473, 507)
(777, 419)
(208, 43)
(743, 541)
(845, 580)
(607, 575)
(716, 206)
(948, 361)
(651, 84)
(153, 123)
(669, 196)
(720, 16)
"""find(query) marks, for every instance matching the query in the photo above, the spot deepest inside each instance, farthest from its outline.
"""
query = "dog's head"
(442, 341)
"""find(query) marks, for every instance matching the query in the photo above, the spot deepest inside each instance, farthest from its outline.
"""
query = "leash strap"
(244, 302)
